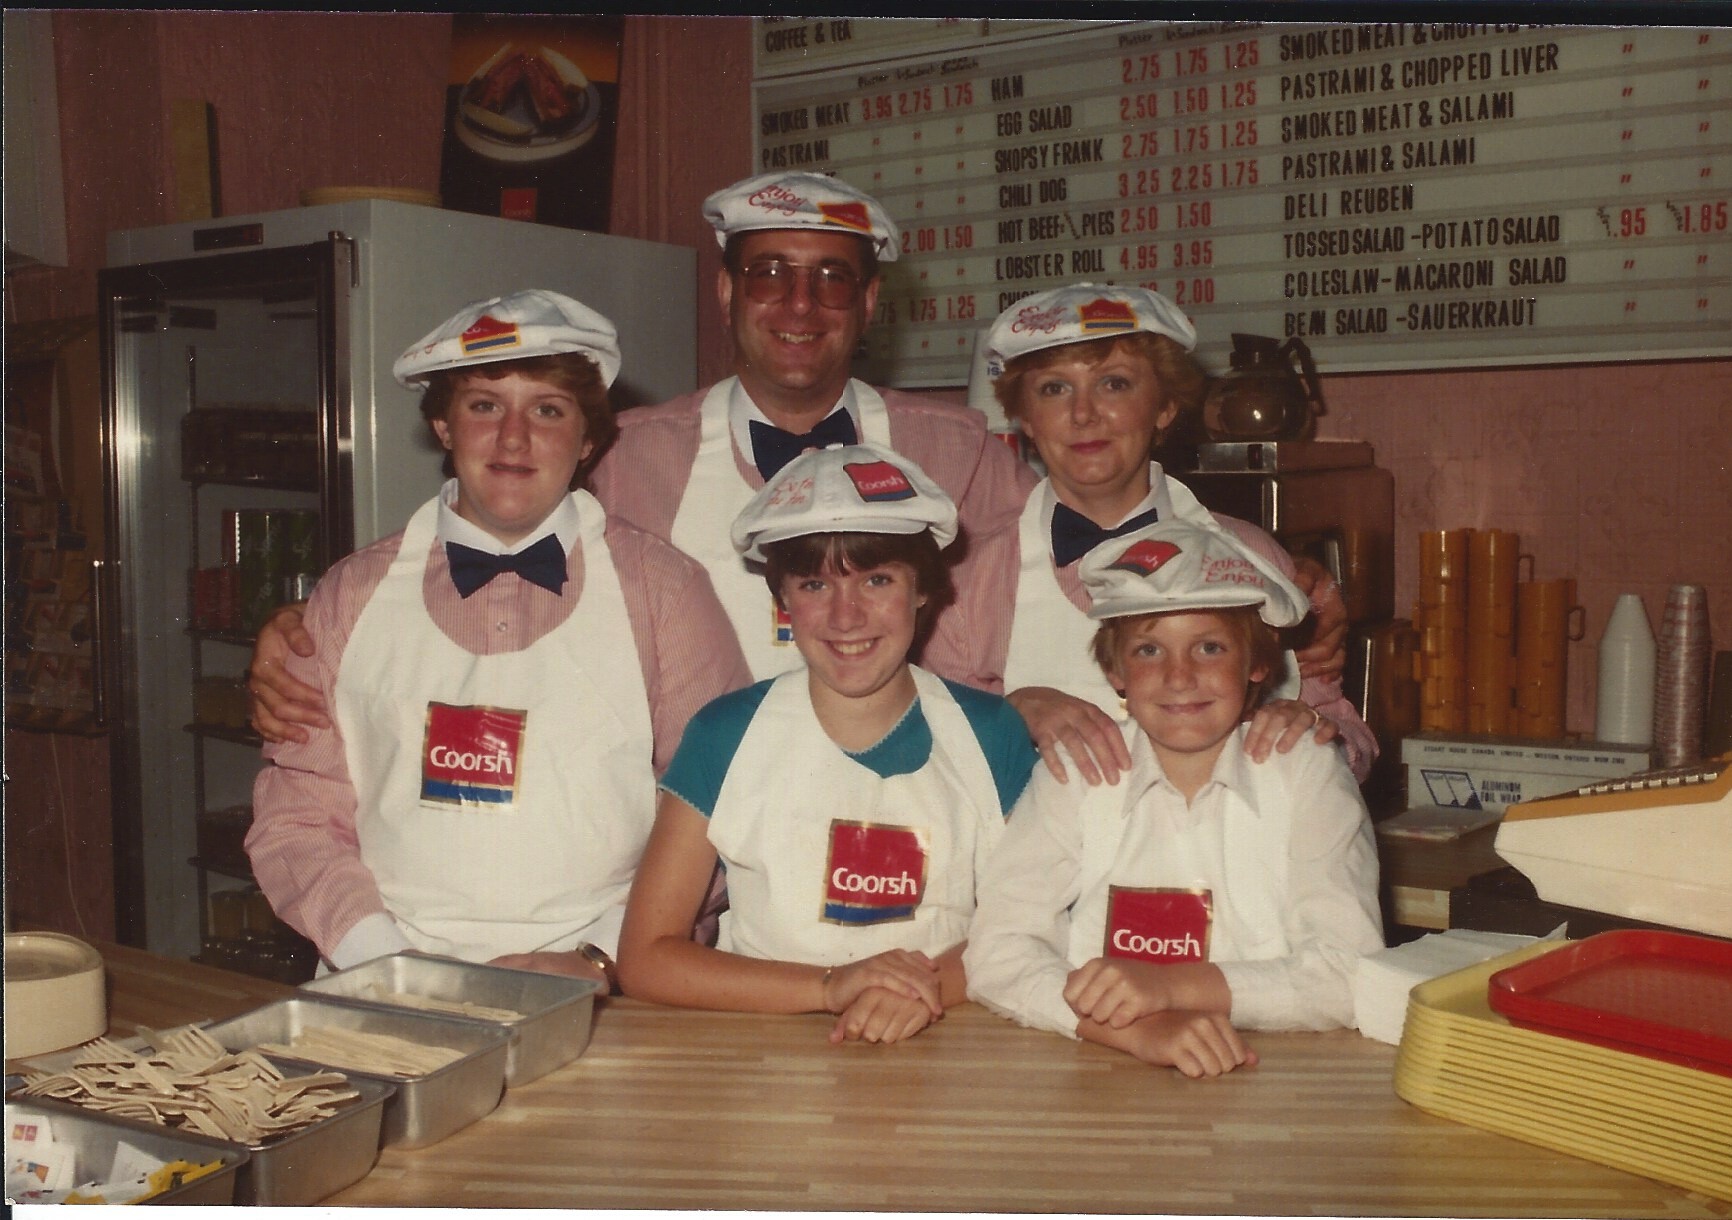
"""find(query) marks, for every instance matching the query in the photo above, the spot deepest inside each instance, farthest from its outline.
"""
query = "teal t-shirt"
(713, 737)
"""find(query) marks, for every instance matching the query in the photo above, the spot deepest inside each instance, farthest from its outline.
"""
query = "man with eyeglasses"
(798, 285)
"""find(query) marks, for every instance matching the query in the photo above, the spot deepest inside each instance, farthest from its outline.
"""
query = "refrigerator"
(252, 435)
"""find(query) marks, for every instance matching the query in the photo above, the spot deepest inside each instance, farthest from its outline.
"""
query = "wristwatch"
(600, 957)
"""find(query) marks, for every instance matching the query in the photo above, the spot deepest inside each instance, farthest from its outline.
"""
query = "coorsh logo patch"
(1158, 925)
(489, 334)
(879, 482)
(875, 874)
(472, 755)
(1100, 316)
(848, 215)
(1146, 557)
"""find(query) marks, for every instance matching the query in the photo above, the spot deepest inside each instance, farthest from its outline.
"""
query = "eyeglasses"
(832, 285)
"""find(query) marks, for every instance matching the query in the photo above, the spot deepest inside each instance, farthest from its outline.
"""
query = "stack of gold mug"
(1440, 619)
(1547, 618)
(1492, 647)
(1493, 561)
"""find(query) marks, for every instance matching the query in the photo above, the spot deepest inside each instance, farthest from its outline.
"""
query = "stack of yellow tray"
(1460, 1060)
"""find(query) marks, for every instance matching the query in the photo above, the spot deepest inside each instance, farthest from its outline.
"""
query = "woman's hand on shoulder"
(881, 1015)
(904, 972)
(1090, 735)
(283, 706)
(1326, 655)
(1279, 725)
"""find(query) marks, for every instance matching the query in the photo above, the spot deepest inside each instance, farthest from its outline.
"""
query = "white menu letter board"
(1403, 196)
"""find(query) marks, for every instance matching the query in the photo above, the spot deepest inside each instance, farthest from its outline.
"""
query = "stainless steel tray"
(93, 1138)
(424, 1109)
(557, 1011)
(293, 1170)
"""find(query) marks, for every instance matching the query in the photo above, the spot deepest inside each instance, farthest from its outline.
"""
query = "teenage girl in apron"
(851, 802)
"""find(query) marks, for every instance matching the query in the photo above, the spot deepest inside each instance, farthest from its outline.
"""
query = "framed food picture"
(531, 106)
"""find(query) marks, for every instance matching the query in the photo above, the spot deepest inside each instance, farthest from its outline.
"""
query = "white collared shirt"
(742, 411)
(561, 522)
(1285, 848)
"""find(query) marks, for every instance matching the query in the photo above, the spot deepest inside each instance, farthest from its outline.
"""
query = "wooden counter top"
(679, 1109)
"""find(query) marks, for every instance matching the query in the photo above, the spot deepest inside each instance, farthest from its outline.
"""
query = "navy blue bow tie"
(773, 447)
(542, 564)
(1074, 535)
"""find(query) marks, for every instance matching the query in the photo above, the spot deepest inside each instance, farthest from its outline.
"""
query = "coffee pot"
(1262, 398)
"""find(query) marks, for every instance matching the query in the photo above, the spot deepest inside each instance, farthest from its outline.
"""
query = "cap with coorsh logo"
(802, 201)
(1146, 556)
(1080, 312)
(845, 489)
(533, 322)
(1180, 565)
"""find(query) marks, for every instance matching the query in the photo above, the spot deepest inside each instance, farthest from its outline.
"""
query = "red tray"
(1665, 995)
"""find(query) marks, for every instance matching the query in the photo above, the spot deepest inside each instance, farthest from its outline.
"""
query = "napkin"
(1383, 979)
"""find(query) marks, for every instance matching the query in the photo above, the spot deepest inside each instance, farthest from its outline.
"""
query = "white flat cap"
(1078, 312)
(845, 489)
(533, 322)
(802, 201)
(1177, 565)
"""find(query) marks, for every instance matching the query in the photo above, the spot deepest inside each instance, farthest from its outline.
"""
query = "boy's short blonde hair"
(1256, 637)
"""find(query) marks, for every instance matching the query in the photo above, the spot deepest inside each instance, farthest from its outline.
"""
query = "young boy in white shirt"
(1201, 894)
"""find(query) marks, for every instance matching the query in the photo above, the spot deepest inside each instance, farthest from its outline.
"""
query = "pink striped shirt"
(303, 844)
(643, 477)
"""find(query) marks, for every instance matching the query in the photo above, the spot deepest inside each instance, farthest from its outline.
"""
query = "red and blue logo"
(1145, 558)
(1101, 316)
(781, 625)
(472, 755)
(489, 334)
(879, 482)
(1158, 925)
(875, 874)
(848, 215)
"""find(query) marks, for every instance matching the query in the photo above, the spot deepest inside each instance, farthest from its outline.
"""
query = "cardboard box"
(1467, 771)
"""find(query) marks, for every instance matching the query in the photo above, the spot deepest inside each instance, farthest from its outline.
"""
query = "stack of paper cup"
(1624, 708)
(1491, 611)
(1547, 619)
(1681, 676)
(1440, 619)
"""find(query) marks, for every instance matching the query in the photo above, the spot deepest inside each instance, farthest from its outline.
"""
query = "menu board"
(1402, 196)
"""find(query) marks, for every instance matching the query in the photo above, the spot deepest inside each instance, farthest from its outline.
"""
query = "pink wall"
(1618, 475)
(302, 100)
(685, 129)
(307, 100)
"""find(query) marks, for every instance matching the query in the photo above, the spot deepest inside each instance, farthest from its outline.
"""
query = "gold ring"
(1318, 717)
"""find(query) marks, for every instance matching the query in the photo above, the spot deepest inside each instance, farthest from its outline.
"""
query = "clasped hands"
(1137, 1001)
(884, 998)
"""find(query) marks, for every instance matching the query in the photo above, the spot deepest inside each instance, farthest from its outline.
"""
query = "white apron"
(715, 494)
(827, 861)
(1237, 858)
(1049, 636)
(503, 801)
